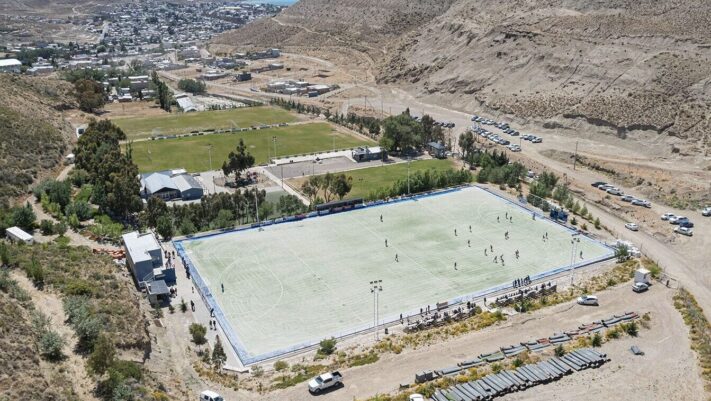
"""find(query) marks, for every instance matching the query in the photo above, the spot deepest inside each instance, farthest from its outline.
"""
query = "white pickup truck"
(325, 381)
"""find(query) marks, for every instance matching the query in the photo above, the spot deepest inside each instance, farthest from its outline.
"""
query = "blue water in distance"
(275, 2)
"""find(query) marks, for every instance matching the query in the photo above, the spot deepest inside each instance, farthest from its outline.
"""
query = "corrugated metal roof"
(158, 181)
(185, 182)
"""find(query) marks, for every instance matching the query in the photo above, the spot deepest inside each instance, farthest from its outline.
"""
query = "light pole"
(209, 151)
(274, 139)
(409, 160)
(574, 241)
(376, 288)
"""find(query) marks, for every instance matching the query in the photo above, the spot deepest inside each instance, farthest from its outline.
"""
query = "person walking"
(192, 305)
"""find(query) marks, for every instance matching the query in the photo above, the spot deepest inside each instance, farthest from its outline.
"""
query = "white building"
(10, 65)
(16, 234)
(143, 255)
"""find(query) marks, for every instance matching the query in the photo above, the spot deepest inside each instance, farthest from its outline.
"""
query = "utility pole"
(376, 288)
(274, 139)
(209, 150)
(575, 157)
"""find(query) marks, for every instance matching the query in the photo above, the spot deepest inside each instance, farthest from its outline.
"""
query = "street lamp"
(376, 288)
(574, 241)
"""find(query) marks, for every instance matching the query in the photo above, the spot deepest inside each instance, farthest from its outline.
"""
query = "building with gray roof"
(171, 185)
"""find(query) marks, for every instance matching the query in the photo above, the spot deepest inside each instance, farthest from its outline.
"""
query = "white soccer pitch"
(296, 283)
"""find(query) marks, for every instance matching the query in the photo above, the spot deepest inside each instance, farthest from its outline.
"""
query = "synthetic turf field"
(183, 123)
(296, 283)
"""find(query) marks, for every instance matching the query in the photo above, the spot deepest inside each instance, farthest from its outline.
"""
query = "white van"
(208, 395)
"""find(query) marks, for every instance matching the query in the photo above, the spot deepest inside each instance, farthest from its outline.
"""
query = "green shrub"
(559, 350)
(632, 329)
(46, 227)
(102, 356)
(51, 345)
(327, 346)
(79, 287)
(198, 332)
(257, 371)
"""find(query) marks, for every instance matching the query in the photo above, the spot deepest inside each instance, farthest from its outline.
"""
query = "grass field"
(293, 284)
(370, 179)
(192, 153)
(183, 123)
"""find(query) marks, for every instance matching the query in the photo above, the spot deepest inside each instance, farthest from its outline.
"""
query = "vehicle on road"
(588, 300)
(615, 191)
(684, 231)
(706, 212)
(640, 287)
(537, 139)
(598, 183)
(325, 381)
(641, 202)
(667, 216)
(632, 226)
(208, 395)
(687, 224)
(628, 198)
(605, 187)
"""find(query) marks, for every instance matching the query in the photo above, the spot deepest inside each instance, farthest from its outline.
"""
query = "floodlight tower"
(376, 288)
(574, 241)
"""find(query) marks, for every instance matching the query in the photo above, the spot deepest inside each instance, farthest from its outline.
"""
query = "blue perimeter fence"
(247, 359)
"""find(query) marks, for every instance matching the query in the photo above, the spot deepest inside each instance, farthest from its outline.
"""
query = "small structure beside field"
(16, 234)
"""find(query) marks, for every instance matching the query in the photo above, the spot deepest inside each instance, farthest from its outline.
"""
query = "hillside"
(620, 65)
(33, 135)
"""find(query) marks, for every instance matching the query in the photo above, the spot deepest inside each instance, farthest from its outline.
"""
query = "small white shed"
(16, 234)
(642, 275)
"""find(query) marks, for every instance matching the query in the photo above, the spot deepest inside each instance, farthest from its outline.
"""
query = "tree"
(341, 185)
(155, 209)
(192, 86)
(289, 205)
(81, 209)
(218, 354)
(23, 217)
(622, 253)
(198, 332)
(102, 356)
(225, 218)
(401, 133)
(311, 187)
(187, 227)
(165, 228)
(466, 143)
(597, 340)
(238, 161)
(89, 94)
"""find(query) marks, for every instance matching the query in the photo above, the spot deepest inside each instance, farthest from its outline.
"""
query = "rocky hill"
(33, 135)
(624, 65)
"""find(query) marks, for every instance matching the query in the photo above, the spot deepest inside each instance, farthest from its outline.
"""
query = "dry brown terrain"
(33, 134)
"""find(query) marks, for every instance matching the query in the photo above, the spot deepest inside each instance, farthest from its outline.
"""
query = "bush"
(632, 329)
(183, 305)
(257, 371)
(559, 350)
(51, 345)
(280, 365)
(60, 228)
(81, 209)
(46, 227)
(327, 346)
(198, 332)
(597, 223)
(102, 357)
(597, 340)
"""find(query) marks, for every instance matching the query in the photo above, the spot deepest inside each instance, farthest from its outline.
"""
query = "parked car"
(667, 216)
(208, 395)
(687, 224)
(628, 198)
(614, 191)
(632, 226)
(416, 397)
(605, 187)
(639, 202)
(684, 231)
(640, 287)
(598, 183)
(677, 219)
(325, 381)
(537, 139)
(706, 212)
(588, 300)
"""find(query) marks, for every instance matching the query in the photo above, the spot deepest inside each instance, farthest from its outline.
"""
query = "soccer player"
(455, 232)
(381, 218)
(396, 259)
(469, 244)
(517, 254)
(386, 242)
(455, 266)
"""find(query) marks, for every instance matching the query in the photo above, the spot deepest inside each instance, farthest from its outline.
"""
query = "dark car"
(598, 183)
(687, 224)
